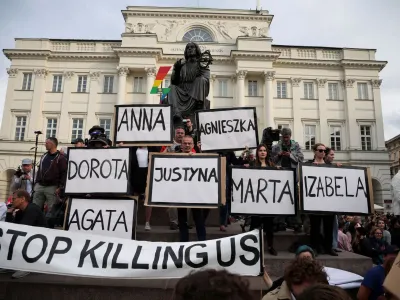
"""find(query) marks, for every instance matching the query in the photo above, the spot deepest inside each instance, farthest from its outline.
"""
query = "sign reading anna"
(98, 171)
(143, 124)
(227, 129)
(42, 250)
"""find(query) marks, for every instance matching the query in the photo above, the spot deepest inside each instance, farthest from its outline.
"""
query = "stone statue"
(190, 83)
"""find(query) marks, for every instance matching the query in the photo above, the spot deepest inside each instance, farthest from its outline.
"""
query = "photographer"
(23, 177)
(190, 131)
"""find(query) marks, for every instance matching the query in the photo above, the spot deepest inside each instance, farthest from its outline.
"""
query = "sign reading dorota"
(143, 124)
(334, 189)
(186, 180)
(227, 129)
(98, 171)
(263, 191)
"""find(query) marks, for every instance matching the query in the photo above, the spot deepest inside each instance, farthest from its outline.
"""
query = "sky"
(336, 23)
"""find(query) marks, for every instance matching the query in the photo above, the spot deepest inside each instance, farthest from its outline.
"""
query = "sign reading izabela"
(43, 250)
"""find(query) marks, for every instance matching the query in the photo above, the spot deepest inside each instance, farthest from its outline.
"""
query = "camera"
(98, 138)
(19, 172)
(269, 136)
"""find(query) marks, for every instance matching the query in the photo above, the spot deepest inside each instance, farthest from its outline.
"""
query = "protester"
(23, 179)
(51, 177)
(378, 245)
(343, 240)
(395, 231)
(324, 292)
(263, 161)
(372, 285)
(321, 243)
(386, 234)
(299, 275)
(361, 244)
(212, 285)
(24, 213)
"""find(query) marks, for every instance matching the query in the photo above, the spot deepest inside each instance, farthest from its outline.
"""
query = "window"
(27, 82)
(366, 143)
(108, 84)
(82, 84)
(51, 129)
(20, 128)
(137, 84)
(362, 91)
(281, 89)
(252, 88)
(223, 88)
(308, 90)
(106, 124)
(333, 89)
(336, 138)
(309, 136)
(57, 83)
(197, 35)
(77, 129)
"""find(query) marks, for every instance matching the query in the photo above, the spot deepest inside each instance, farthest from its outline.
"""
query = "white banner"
(105, 217)
(334, 189)
(98, 171)
(42, 250)
(184, 180)
(227, 129)
(262, 191)
(143, 124)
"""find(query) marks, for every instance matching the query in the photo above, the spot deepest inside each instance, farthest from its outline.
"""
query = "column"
(376, 84)
(240, 76)
(297, 125)
(64, 123)
(91, 119)
(211, 93)
(151, 75)
(268, 100)
(6, 130)
(352, 129)
(123, 73)
(36, 116)
(323, 119)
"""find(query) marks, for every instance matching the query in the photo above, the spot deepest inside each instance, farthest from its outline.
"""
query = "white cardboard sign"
(332, 189)
(227, 129)
(42, 250)
(105, 217)
(263, 191)
(98, 171)
(143, 124)
(183, 180)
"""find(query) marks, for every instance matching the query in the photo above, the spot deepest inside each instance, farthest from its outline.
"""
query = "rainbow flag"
(162, 72)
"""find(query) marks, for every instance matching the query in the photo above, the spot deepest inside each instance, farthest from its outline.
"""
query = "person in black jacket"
(140, 168)
(24, 213)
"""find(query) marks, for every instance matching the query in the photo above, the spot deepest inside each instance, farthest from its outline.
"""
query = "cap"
(391, 249)
(78, 140)
(26, 161)
(305, 248)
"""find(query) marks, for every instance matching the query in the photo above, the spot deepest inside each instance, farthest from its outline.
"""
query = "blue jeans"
(335, 232)
(199, 218)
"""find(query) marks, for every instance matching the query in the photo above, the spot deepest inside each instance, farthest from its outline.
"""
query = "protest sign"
(227, 129)
(184, 180)
(392, 279)
(42, 250)
(143, 124)
(106, 217)
(98, 171)
(263, 191)
(331, 189)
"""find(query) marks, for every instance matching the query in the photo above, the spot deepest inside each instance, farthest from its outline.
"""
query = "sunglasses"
(321, 150)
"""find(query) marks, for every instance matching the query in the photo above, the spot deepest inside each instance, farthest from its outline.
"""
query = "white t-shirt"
(142, 155)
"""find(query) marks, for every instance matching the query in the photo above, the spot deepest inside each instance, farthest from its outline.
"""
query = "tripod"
(34, 160)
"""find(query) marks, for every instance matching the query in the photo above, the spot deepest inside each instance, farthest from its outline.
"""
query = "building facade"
(328, 95)
(393, 146)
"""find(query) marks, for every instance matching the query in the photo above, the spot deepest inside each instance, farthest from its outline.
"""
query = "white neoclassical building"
(328, 95)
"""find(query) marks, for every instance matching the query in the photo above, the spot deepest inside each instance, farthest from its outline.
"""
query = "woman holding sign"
(263, 160)
(322, 244)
